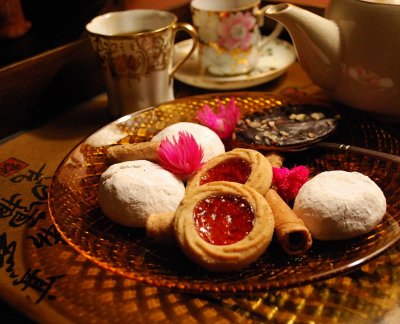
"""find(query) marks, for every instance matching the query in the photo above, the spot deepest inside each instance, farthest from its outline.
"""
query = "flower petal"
(182, 156)
(223, 121)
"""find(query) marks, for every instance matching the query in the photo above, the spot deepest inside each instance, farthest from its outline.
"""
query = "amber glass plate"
(75, 210)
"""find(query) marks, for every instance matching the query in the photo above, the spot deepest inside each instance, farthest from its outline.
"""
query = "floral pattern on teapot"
(369, 78)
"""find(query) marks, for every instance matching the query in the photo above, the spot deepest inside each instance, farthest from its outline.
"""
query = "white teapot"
(353, 53)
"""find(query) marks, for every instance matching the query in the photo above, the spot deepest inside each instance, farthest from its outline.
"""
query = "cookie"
(240, 165)
(337, 205)
(129, 192)
(204, 136)
(223, 226)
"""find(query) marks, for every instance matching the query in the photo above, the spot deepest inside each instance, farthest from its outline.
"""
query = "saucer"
(276, 57)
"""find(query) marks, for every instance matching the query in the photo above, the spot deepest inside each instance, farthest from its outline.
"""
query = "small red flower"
(222, 122)
(289, 181)
(182, 156)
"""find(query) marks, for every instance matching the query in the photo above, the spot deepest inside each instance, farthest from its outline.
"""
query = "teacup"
(135, 49)
(229, 34)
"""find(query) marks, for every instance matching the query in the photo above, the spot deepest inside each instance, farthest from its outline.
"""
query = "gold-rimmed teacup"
(135, 50)
(229, 35)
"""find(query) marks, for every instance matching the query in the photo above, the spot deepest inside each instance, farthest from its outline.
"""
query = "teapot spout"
(316, 40)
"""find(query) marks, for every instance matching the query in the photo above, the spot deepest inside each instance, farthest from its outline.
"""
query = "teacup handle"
(274, 34)
(194, 35)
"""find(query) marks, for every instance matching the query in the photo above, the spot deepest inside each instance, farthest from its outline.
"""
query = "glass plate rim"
(163, 283)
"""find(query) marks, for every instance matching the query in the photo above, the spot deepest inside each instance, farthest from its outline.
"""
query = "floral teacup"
(229, 35)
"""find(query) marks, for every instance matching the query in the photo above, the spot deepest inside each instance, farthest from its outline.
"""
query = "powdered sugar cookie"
(337, 205)
(130, 191)
(204, 136)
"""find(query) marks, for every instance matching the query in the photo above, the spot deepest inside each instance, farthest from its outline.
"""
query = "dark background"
(54, 23)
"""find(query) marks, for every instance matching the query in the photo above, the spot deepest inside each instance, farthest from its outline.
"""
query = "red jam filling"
(233, 169)
(223, 219)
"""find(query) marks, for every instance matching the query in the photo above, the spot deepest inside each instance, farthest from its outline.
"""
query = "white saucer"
(276, 58)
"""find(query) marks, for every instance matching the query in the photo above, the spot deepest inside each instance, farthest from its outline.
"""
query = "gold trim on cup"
(123, 65)
(132, 34)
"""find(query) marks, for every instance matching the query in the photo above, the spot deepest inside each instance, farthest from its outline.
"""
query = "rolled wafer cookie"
(133, 151)
(290, 231)
(275, 159)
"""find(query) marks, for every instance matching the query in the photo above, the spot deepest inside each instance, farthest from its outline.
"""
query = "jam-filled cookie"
(223, 226)
(240, 165)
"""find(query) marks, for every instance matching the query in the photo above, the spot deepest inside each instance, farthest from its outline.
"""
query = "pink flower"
(289, 182)
(224, 121)
(182, 156)
(235, 31)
